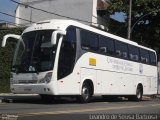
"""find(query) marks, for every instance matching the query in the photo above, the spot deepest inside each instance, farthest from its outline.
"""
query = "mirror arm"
(10, 35)
(54, 36)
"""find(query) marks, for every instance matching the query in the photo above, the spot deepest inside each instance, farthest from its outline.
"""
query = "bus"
(68, 58)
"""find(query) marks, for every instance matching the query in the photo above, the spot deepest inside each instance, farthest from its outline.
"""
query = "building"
(5, 25)
(91, 12)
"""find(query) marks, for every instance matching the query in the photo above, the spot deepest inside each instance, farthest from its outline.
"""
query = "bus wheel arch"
(87, 90)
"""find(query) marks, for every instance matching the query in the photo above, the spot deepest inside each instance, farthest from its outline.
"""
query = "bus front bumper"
(33, 89)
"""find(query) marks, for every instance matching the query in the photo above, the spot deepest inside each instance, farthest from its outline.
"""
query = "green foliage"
(147, 12)
(6, 55)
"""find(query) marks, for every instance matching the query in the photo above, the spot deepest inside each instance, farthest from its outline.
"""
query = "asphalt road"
(32, 108)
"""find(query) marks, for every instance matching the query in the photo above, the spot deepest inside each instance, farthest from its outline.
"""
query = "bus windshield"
(37, 55)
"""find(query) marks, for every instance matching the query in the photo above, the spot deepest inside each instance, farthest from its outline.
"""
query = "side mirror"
(54, 36)
(10, 36)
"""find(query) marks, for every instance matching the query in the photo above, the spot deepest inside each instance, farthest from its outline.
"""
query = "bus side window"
(133, 53)
(67, 53)
(110, 47)
(85, 43)
(121, 50)
(103, 43)
(89, 41)
(144, 56)
(106, 46)
(152, 58)
(93, 39)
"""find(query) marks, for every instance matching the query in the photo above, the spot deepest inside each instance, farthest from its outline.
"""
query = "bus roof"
(59, 24)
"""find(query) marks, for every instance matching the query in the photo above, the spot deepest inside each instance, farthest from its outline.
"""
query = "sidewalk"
(10, 97)
(12, 94)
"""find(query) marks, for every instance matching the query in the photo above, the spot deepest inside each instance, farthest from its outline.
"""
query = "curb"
(9, 97)
(11, 94)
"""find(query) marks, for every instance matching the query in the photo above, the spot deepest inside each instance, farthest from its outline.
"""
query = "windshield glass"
(37, 55)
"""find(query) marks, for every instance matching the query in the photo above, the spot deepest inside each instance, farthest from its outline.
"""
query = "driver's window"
(67, 53)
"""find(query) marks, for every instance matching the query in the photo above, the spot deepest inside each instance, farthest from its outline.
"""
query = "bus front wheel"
(85, 94)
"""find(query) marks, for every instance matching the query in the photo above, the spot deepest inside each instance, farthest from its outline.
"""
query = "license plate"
(27, 89)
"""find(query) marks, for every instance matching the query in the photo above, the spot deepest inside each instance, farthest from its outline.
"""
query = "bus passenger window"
(106, 45)
(152, 58)
(93, 39)
(85, 40)
(121, 50)
(133, 53)
(89, 41)
(103, 45)
(144, 56)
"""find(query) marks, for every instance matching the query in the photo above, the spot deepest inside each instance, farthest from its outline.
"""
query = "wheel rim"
(85, 93)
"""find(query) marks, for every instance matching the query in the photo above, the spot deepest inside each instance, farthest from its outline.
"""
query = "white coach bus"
(67, 58)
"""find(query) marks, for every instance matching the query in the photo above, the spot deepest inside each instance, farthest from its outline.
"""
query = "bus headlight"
(46, 79)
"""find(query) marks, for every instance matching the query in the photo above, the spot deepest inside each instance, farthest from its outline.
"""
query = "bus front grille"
(27, 81)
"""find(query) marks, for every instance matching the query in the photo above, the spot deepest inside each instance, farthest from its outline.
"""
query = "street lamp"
(139, 20)
(129, 19)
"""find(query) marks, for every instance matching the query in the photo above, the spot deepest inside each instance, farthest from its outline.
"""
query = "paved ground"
(32, 108)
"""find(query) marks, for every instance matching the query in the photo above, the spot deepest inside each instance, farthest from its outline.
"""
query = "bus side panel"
(89, 74)
(127, 84)
(70, 84)
(110, 82)
(148, 78)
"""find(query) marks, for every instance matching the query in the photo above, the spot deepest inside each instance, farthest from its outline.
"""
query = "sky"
(119, 16)
(9, 7)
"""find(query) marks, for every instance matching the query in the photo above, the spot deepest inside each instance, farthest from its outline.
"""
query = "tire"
(139, 93)
(138, 96)
(85, 94)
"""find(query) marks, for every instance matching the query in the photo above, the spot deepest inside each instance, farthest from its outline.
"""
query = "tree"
(146, 15)
(6, 56)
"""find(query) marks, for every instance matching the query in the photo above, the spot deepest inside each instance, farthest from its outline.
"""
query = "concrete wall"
(84, 10)
(78, 9)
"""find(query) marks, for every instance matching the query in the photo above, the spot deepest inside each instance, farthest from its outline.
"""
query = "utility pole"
(129, 19)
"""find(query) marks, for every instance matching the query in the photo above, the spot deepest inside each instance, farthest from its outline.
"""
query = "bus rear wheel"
(85, 94)
(138, 96)
(139, 93)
